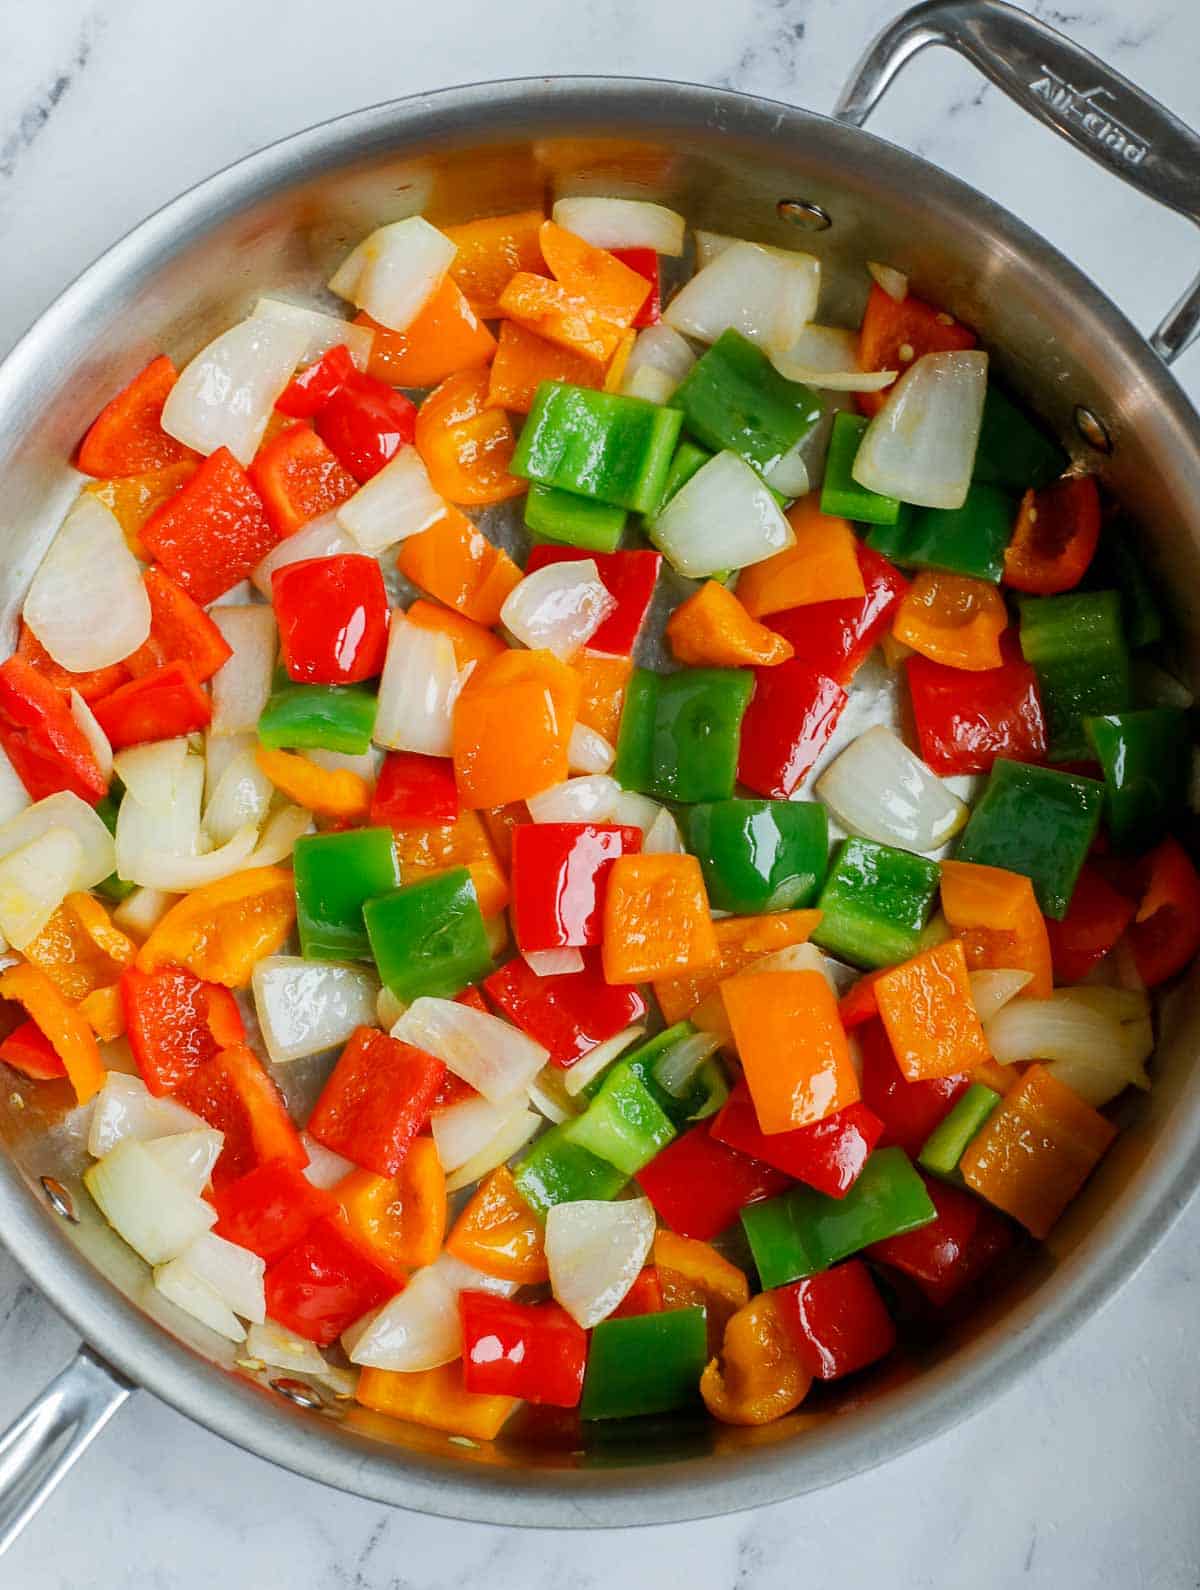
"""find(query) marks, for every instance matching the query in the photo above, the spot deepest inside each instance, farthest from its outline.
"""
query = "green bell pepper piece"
(336, 874)
(760, 855)
(556, 515)
(318, 717)
(706, 1091)
(1119, 566)
(1077, 648)
(688, 460)
(1146, 757)
(623, 1125)
(875, 903)
(734, 399)
(645, 1363)
(428, 937)
(697, 732)
(557, 1171)
(598, 444)
(946, 1144)
(113, 887)
(1035, 821)
(968, 540)
(802, 1232)
(634, 764)
(1013, 452)
(841, 494)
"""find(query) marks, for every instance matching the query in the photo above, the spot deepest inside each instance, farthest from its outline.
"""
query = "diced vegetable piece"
(306, 1006)
(948, 1255)
(1077, 647)
(896, 330)
(124, 1108)
(530, 1350)
(446, 335)
(995, 915)
(909, 1110)
(298, 479)
(394, 272)
(213, 532)
(827, 1155)
(965, 723)
(929, 1015)
(970, 540)
(713, 629)
(740, 942)
(879, 789)
(1057, 533)
(760, 855)
(270, 1209)
(766, 294)
(577, 521)
(793, 713)
(650, 1363)
(629, 578)
(222, 930)
(376, 1100)
(421, 1328)
(1096, 918)
(428, 937)
(698, 1185)
(657, 921)
(558, 608)
(920, 446)
(622, 1125)
(835, 637)
(87, 604)
(336, 874)
(234, 1094)
(568, 1014)
(840, 492)
(838, 1321)
(161, 705)
(953, 620)
(875, 903)
(437, 1399)
(758, 1375)
(324, 1283)
(791, 1045)
(560, 873)
(821, 565)
(499, 1233)
(175, 1023)
(597, 444)
(512, 727)
(723, 515)
(680, 734)
(332, 616)
(1013, 452)
(1166, 931)
(126, 437)
(595, 1249)
(144, 1204)
(557, 1171)
(417, 694)
(524, 361)
(319, 717)
(42, 739)
(1146, 757)
(493, 1057)
(946, 1144)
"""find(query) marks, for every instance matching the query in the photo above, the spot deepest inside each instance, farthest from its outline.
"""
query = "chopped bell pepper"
(336, 874)
(947, 1143)
(307, 393)
(447, 335)
(318, 718)
(950, 1253)
(657, 921)
(324, 1284)
(910, 1111)
(1013, 452)
(423, 852)
(376, 1100)
(701, 1096)
(435, 1398)
(512, 727)
(560, 878)
(623, 1124)
(760, 855)
(428, 937)
(499, 1233)
(952, 620)
(699, 1186)
(1077, 648)
(175, 1023)
(212, 532)
(558, 315)
(471, 641)
(67, 1032)
(299, 479)
(792, 1047)
(270, 1209)
(650, 1363)
(734, 399)
(828, 1155)
(1096, 918)
(838, 1320)
(160, 705)
(692, 1273)
(1166, 931)
(96, 682)
(614, 290)
(454, 561)
(603, 682)
(414, 791)
(556, 1170)
(132, 499)
(524, 361)
(365, 423)
(29, 1051)
(333, 619)
(46, 747)
(645, 262)
(233, 1092)
(104, 1013)
(400, 1220)
(758, 1375)
(628, 577)
(569, 1013)
(994, 915)
(821, 565)
(841, 494)
(874, 903)
(1038, 822)
(79, 949)
(531, 1350)
(467, 447)
(713, 629)
(1058, 530)
(794, 711)
(970, 540)
(221, 930)
(965, 722)
(836, 637)
(574, 521)
(740, 940)
(895, 333)
(680, 733)
(336, 792)
(1146, 757)
(598, 444)
(126, 437)
(803, 1232)
(490, 252)
(180, 631)
(1036, 1150)
(645, 1296)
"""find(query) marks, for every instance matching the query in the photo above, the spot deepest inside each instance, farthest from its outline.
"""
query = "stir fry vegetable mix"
(590, 946)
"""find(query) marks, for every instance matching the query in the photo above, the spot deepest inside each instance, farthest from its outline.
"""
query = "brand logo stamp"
(1084, 108)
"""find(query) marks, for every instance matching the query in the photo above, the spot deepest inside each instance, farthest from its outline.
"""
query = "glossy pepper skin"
(760, 855)
(324, 1284)
(499, 1233)
(734, 398)
(570, 1013)
(414, 791)
(1165, 934)
(41, 738)
(945, 1145)
(598, 444)
(1076, 645)
(318, 718)
(629, 578)
(910, 1111)
(841, 494)
(1013, 452)
(698, 1185)
(1095, 920)
(758, 1375)
(559, 876)
(531, 1350)
(307, 393)
(563, 518)
(706, 1093)
(680, 733)
(794, 711)
(400, 1220)
(270, 1209)
(874, 903)
(647, 1363)
(376, 1100)
(954, 1250)
(365, 423)
(836, 637)
(966, 720)
(894, 333)
(233, 1092)
(838, 1320)
(828, 1156)
(174, 1023)
(622, 1124)
(969, 540)
(333, 617)
(1146, 757)
(556, 1170)
(336, 874)
(1056, 536)
(428, 937)
(160, 705)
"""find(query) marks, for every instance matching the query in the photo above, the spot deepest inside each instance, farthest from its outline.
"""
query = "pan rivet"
(59, 1199)
(297, 1392)
(805, 214)
(1093, 429)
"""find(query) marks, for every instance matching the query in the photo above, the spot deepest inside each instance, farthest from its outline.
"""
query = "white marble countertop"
(1084, 1474)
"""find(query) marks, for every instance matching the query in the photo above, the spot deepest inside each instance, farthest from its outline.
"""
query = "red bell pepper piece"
(859, 1004)
(1057, 532)
(837, 637)
(629, 578)
(324, 1284)
(44, 743)
(953, 1250)
(309, 391)
(127, 437)
(365, 424)
(530, 1350)
(645, 262)
(180, 631)
(333, 619)
(792, 713)
(376, 1100)
(1095, 920)
(645, 1296)
(1166, 931)
(213, 531)
(298, 479)
(270, 1209)
(559, 874)
(909, 1110)
(415, 791)
(698, 1185)
(893, 335)
(827, 1155)
(175, 1022)
(965, 720)
(571, 1013)
(837, 1320)
(158, 706)
(233, 1093)
(28, 1050)
(96, 682)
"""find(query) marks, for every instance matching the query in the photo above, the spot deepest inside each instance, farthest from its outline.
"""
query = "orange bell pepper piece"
(132, 499)
(79, 949)
(512, 726)
(435, 1398)
(740, 940)
(490, 253)
(466, 446)
(929, 1015)
(471, 641)
(64, 1028)
(499, 1233)
(551, 311)
(524, 360)
(604, 679)
(995, 915)
(455, 561)
(400, 1220)
(104, 1012)
(952, 619)
(421, 852)
(333, 792)
(1036, 1150)
(657, 922)
(220, 931)
(820, 566)
(614, 291)
(446, 336)
(713, 630)
(792, 1047)
(691, 1271)
(758, 1375)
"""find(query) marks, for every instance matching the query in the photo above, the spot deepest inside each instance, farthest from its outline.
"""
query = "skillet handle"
(1068, 90)
(39, 1448)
